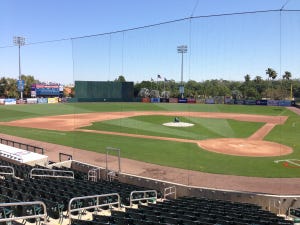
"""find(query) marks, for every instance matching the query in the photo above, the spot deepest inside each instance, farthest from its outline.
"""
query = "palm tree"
(287, 76)
(258, 81)
(247, 78)
(246, 85)
(271, 74)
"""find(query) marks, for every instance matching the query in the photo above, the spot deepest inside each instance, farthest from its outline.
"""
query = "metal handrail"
(144, 198)
(169, 191)
(93, 206)
(6, 173)
(53, 173)
(44, 215)
(21, 144)
(93, 174)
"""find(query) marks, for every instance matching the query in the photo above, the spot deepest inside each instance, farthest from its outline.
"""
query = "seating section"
(8, 212)
(56, 193)
(22, 170)
(191, 211)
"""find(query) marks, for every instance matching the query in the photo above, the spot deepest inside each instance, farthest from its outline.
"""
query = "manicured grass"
(15, 112)
(204, 128)
(288, 133)
(173, 154)
(180, 155)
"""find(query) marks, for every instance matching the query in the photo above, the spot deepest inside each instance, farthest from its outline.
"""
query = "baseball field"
(256, 141)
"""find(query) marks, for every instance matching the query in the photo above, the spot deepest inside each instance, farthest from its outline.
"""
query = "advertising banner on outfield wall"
(273, 102)
(239, 102)
(2, 101)
(155, 100)
(284, 103)
(165, 100)
(10, 101)
(145, 99)
(210, 101)
(250, 102)
(191, 100)
(52, 100)
(228, 100)
(219, 99)
(42, 100)
(173, 100)
(31, 100)
(182, 100)
(261, 102)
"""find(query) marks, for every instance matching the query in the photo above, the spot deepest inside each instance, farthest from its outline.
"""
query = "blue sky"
(220, 47)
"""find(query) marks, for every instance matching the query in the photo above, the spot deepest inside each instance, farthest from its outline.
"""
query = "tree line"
(273, 87)
(9, 87)
(256, 87)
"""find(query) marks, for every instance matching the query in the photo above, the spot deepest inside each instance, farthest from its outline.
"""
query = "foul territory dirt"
(252, 146)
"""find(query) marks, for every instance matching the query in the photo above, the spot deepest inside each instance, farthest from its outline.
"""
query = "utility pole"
(181, 49)
(20, 41)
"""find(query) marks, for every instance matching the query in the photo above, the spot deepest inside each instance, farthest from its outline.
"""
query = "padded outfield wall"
(99, 91)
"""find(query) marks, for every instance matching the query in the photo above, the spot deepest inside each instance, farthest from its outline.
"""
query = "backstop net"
(228, 55)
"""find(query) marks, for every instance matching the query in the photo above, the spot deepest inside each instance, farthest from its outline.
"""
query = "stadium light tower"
(20, 41)
(182, 49)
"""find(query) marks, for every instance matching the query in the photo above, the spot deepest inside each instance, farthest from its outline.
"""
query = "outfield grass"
(180, 155)
(15, 112)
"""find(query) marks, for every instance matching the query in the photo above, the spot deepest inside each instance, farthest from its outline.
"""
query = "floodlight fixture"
(182, 49)
(19, 41)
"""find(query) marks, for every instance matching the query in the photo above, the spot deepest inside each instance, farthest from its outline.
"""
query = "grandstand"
(71, 192)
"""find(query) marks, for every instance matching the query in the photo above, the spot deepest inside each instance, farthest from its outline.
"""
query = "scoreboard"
(46, 90)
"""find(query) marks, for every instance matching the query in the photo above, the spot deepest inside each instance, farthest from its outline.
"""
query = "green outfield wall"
(99, 91)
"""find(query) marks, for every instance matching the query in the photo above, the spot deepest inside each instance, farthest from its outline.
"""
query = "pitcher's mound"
(245, 147)
(178, 124)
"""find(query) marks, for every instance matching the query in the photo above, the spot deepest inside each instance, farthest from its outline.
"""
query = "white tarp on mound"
(21, 155)
(178, 124)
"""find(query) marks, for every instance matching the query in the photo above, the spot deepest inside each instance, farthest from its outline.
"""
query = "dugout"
(101, 91)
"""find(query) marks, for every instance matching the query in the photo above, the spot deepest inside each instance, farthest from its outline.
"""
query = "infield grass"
(204, 128)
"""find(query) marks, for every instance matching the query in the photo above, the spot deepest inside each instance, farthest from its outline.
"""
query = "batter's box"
(289, 163)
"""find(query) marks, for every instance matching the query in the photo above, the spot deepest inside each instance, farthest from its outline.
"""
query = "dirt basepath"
(295, 110)
(262, 132)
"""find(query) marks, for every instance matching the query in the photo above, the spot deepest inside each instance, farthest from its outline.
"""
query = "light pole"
(20, 41)
(182, 49)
